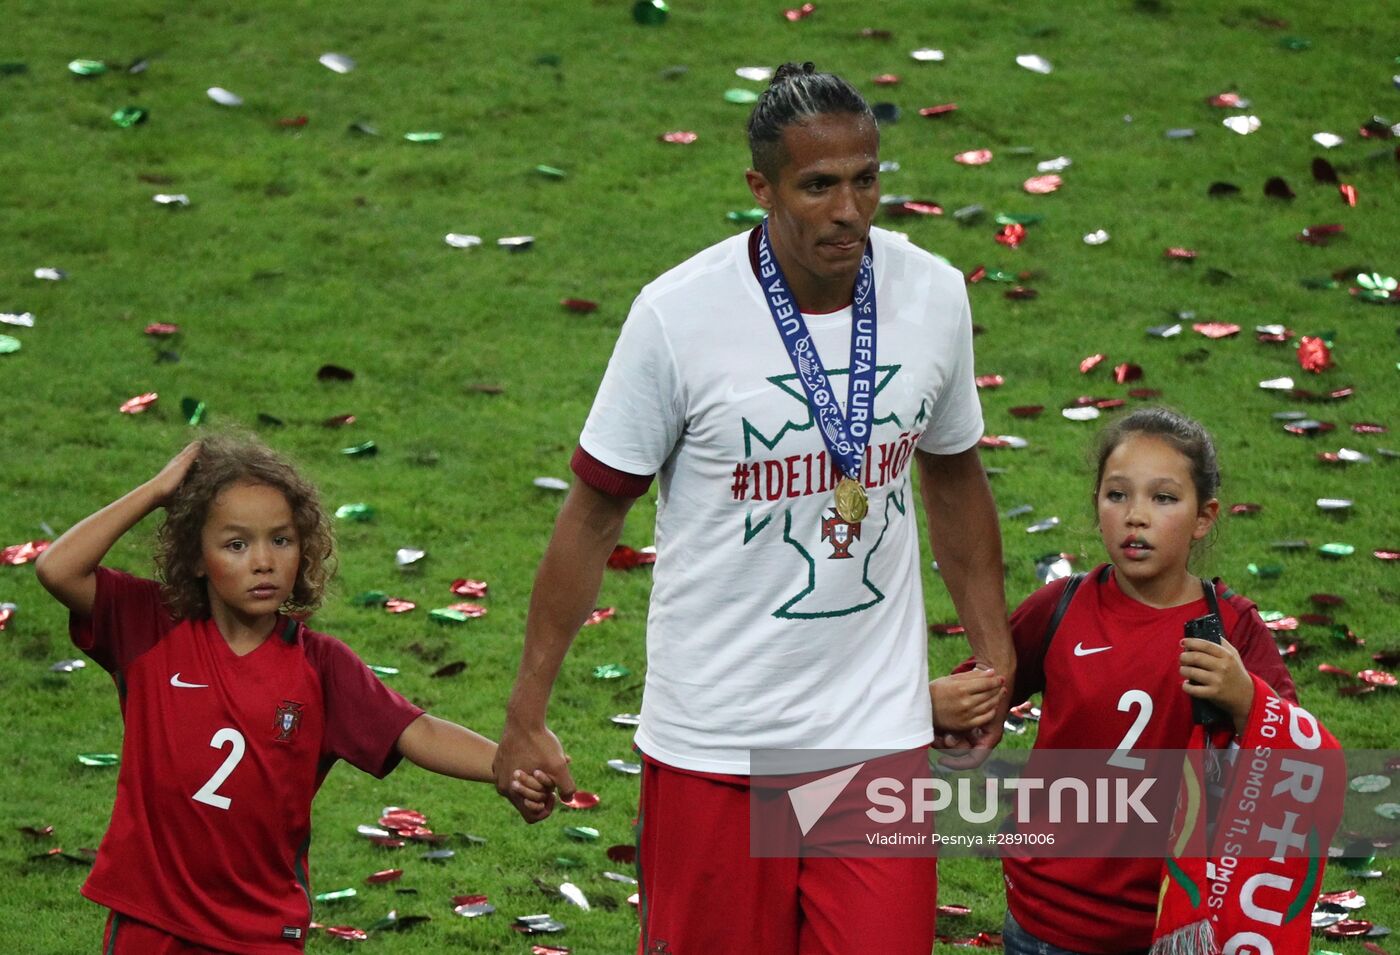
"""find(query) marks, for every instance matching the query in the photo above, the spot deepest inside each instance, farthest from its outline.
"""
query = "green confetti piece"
(99, 759)
(9, 344)
(359, 513)
(1269, 616)
(129, 116)
(1389, 810)
(997, 275)
(447, 615)
(566, 862)
(336, 895)
(192, 409)
(1295, 43)
(740, 97)
(1336, 550)
(1375, 282)
(1018, 218)
(550, 172)
(13, 69)
(610, 671)
(423, 137)
(367, 450)
(582, 833)
(650, 13)
(1266, 571)
(87, 67)
(383, 671)
(370, 598)
(746, 216)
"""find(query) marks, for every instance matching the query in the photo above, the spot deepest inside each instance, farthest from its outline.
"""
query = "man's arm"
(966, 540)
(565, 593)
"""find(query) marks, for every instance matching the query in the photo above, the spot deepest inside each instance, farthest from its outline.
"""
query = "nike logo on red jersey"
(176, 681)
(1082, 651)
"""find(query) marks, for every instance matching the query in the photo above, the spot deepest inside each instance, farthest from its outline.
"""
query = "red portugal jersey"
(1110, 682)
(221, 757)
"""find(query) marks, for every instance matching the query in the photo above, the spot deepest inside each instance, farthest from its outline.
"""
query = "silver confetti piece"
(224, 97)
(551, 483)
(50, 275)
(927, 55)
(1034, 62)
(574, 895)
(459, 241)
(1244, 125)
(1040, 527)
(337, 62)
(1081, 414)
(406, 556)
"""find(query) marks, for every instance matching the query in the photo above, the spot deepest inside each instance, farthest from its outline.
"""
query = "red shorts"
(126, 936)
(702, 892)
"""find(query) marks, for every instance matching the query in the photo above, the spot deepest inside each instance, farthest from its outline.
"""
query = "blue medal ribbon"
(847, 435)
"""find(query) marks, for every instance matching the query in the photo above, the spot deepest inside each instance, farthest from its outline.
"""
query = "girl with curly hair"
(234, 709)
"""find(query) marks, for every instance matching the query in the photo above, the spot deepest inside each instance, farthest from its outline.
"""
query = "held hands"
(170, 477)
(968, 713)
(1215, 672)
(531, 792)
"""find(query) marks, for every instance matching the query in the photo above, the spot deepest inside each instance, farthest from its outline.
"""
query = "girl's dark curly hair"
(225, 461)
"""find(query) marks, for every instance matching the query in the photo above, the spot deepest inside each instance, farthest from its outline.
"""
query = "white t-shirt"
(773, 624)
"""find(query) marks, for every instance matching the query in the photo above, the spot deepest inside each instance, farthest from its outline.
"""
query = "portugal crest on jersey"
(287, 720)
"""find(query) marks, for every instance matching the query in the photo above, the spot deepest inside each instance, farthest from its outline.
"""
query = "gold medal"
(852, 504)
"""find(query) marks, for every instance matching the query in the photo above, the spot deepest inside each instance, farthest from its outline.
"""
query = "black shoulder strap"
(1066, 596)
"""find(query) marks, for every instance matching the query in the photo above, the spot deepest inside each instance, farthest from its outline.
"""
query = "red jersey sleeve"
(608, 480)
(364, 718)
(1028, 623)
(127, 619)
(1255, 644)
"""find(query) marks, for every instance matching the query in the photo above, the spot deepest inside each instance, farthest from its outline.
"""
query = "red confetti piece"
(292, 122)
(395, 815)
(338, 421)
(37, 832)
(1285, 623)
(550, 950)
(628, 558)
(383, 876)
(1246, 508)
(334, 373)
(458, 900)
(385, 842)
(886, 79)
(1333, 669)
(471, 610)
(1084, 401)
(800, 13)
(1323, 171)
(449, 669)
(1374, 949)
(946, 629)
(1278, 188)
(898, 210)
(1107, 404)
(977, 275)
(1313, 354)
(942, 109)
(162, 329)
(624, 854)
(992, 441)
(1026, 411)
(1367, 427)
(1042, 185)
(581, 800)
(1230, 100)
(974, 157)
(1319, 234)
(347, 932)
(1273, 338)
(1145, 393)
(395, 605)
(17, 554)
(1021, 293)
(990, 381)
(139, 403)
(1377, 678)
(1388, 658)
(1348, 192)
(463, 587)
(683, 137)
(1011, 235)
(1347, 928)
(955, 910)
(1337, 394)
(1315, 619)
(599, 615)
(1327, 600)
(1335, 898)
(581, 305)
(1216, 329)
(1179, 253)
(1386, 554)
(1126, 372)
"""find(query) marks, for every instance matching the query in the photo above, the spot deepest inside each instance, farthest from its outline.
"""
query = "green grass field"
(309, 245)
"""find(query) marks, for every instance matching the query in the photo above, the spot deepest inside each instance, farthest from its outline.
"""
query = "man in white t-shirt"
(787, 608)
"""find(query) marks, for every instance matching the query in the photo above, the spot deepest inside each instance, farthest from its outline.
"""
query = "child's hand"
(966, 700)
(533, 794)
(168, 481)
(1214, 672)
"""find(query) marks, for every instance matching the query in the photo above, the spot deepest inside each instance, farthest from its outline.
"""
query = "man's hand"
(528, 750)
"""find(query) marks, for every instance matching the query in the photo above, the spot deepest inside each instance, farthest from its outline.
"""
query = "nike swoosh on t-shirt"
(176, 681)
(1081, 651)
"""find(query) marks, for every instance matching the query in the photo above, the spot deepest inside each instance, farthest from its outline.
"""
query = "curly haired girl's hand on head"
(1215, 672)
(168, 480)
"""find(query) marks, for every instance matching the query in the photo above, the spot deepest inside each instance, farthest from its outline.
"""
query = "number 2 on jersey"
(1130, 699)
(208, 793)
